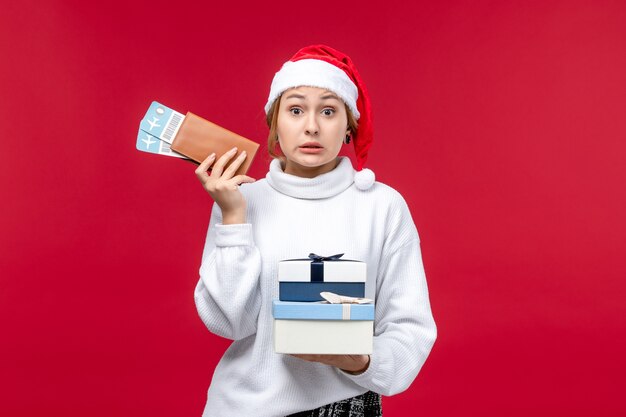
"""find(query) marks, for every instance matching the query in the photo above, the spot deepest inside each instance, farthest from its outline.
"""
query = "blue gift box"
(294, 310)
(304, 279)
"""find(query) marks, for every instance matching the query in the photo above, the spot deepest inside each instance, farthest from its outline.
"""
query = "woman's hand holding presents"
(353, 364)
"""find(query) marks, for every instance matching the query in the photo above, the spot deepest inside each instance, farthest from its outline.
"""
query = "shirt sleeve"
(227, 295)
(404, 330)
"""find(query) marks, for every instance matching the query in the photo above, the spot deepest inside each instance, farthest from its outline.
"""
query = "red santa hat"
(324, 67)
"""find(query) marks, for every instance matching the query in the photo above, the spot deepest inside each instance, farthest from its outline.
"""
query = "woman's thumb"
(244, 179)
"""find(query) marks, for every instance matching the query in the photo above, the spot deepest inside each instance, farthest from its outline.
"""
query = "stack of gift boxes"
(306, 324)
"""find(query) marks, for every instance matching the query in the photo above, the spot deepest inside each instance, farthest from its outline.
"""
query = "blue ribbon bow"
(319, 258)
(317, 265)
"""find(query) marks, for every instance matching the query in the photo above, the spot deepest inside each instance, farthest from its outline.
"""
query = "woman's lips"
(311, 148)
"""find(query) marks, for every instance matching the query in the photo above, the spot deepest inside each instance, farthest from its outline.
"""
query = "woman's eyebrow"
(324, 97)
(295, 96)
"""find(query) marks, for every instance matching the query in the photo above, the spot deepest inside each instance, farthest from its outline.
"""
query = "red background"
(502, 124)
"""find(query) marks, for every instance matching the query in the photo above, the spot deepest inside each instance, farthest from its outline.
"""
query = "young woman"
(310, 201)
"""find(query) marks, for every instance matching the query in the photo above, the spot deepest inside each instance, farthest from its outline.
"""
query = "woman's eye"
(296, 111)
(328, 112)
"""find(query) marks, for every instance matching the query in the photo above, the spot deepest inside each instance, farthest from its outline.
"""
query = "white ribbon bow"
(343, 299)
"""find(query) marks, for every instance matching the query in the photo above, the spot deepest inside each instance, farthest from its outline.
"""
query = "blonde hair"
(272, 122)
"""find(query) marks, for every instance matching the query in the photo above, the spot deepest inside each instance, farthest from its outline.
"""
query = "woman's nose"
(312, 127)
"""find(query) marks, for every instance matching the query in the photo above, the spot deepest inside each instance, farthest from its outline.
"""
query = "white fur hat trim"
(314, 73)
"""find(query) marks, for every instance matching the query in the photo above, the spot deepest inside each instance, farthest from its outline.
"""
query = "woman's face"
(311, 126)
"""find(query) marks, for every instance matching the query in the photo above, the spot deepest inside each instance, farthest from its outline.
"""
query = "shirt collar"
(323, 186)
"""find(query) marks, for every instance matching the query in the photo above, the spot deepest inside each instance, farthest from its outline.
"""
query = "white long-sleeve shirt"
(289, 217)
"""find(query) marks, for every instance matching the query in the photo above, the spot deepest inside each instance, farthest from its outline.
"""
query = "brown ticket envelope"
(197, 138)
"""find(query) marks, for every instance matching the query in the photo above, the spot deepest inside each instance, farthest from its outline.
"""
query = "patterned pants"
(366, 405)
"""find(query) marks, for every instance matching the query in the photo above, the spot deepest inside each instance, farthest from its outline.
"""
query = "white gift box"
(321, 328)
(304, 279)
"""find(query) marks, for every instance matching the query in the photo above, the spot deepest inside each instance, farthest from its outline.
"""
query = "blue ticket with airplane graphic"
(151, 144)
(161, 122)
(157, 130)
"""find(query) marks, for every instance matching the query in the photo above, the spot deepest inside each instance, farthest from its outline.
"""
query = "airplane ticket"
(161, 122)
(151, 144)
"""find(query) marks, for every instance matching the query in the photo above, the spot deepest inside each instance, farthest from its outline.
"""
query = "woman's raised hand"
(223, 187)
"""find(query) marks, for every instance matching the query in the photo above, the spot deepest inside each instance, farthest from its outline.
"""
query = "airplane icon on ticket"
(148, 141)
(153, 123)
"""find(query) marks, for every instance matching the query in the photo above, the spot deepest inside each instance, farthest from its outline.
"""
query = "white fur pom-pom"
(364, 179)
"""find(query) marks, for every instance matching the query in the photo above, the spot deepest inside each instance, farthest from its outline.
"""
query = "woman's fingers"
(353, 363)
(331, 360)
(234, 166)
(312, 357)
(218, 168)
(201, 170)
(237, 180)
(220, 178)
(240, 179)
